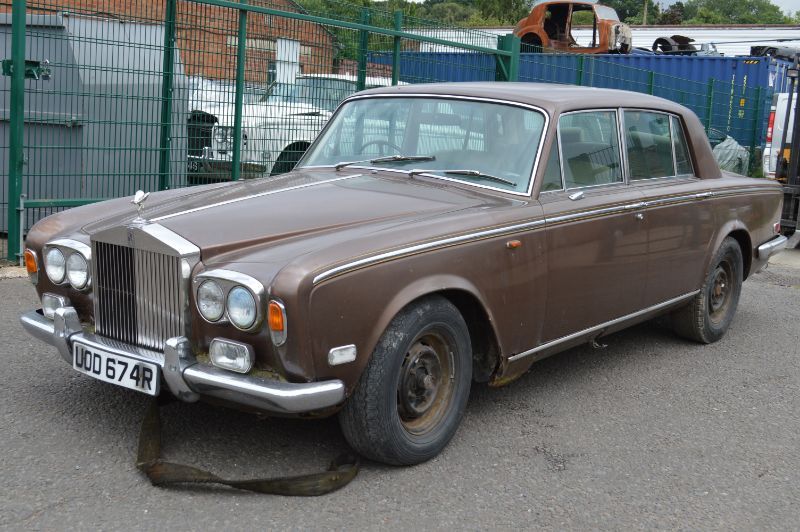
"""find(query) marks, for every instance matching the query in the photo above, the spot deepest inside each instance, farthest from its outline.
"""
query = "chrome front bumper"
(771, 247)
(185, 377)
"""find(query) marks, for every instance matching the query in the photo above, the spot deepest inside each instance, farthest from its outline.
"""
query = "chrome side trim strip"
(427, 246)
(251, 196)
(578, 215)
(602, 326)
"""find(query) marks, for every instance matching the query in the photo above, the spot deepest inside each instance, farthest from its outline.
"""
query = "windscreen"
(486, 144)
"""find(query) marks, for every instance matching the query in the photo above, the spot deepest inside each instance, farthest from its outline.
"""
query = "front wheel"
(411, 397)
(710, 313)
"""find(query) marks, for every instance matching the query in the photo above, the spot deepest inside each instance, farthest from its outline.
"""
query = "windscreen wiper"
(470, 173)
(387, 159)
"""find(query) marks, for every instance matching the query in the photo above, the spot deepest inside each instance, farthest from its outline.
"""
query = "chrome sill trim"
(427, 246)
(771, 247)
(602, 326)
(261, 194)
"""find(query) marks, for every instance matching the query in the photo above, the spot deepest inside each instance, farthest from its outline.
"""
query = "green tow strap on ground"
(341, 471)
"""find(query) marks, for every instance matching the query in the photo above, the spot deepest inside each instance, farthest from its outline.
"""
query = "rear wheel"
(289, 158)
(708, 316)
(410, 399)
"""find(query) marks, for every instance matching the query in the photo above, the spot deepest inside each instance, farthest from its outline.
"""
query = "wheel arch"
(746, 245)
(470, 304)
(298, 146)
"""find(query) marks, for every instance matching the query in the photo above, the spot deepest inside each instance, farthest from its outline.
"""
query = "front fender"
(345, 311)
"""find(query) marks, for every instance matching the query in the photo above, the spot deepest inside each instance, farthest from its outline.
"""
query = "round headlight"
(210, 300)
(221, 134)
(55, 265)
(77, 271)
(241, 307)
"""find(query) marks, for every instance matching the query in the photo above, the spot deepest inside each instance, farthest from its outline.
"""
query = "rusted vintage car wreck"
(432, 236)
(550, 23)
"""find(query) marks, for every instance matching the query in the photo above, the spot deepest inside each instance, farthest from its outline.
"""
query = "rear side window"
(682, 160)
(649, 145)
(590, 148)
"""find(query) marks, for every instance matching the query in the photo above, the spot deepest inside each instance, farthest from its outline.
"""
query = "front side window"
(488, 144)
(649, 145)
(590, 148)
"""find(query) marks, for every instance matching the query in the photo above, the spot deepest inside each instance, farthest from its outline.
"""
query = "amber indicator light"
(275, 317)
(30, 261)
(513, 244)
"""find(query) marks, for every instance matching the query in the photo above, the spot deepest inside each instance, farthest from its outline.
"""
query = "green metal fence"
(120, 95)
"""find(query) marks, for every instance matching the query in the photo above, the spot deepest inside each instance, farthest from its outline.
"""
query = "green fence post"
(398, 25)
(241, 48)
(363, 49)
(651, 82)
(164, 169)
(709, 104)
(16, 156)
(579, 71)
(507, 64)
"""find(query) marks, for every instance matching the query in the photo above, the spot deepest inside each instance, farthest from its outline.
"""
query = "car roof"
(552, 97)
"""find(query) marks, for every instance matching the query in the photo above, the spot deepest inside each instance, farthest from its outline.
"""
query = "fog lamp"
(51, 303)
(230, 355)
(342, 355)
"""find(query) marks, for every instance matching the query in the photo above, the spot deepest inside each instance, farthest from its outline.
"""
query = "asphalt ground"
(652, 432)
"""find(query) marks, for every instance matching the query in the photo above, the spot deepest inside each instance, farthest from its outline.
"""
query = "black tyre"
(411, 397)
(289, 158)
(710, 313)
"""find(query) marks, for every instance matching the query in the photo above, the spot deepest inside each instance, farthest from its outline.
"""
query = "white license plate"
(116, 369)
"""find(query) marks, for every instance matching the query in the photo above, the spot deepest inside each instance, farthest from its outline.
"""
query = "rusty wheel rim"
(425, 385)
(719, 293)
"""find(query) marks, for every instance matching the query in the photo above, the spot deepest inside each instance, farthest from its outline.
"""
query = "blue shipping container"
(738, 88)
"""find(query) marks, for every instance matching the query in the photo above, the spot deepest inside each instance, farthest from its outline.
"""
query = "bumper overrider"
(187, 379)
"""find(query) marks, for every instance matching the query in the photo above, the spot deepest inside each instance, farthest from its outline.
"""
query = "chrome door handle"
(639, 216)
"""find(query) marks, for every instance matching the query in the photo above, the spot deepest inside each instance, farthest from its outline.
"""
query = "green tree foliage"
(733, 12)
(673, 15)
(630, 11)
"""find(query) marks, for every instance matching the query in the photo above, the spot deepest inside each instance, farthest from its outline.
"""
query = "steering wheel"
(381, 143)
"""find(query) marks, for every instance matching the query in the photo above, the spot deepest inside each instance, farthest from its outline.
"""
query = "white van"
(777, 120)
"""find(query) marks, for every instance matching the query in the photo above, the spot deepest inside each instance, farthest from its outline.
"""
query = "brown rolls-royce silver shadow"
(432, 236)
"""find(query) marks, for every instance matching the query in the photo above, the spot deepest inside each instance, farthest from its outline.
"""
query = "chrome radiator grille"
(137, 295)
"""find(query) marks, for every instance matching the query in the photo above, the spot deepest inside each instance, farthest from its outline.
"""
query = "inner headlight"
(210, 300)
(221, 134)
(241, 307)
(77, 271)
(55, 265)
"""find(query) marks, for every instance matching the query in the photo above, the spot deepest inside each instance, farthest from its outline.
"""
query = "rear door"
(680, 226)
(596, 241)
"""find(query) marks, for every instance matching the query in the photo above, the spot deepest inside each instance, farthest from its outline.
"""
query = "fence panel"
(159, 94)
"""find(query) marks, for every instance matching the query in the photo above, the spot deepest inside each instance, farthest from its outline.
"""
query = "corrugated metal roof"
(737, 39)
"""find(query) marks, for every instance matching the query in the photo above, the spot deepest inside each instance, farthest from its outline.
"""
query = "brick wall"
(207, 35)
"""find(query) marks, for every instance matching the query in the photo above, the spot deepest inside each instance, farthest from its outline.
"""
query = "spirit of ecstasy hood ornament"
(138, 200)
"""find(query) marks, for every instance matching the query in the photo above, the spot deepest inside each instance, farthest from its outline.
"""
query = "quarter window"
(682, 160)
(590, 148)
(552, 172)
(647, 138)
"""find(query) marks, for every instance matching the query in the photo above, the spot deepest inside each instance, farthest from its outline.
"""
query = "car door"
(596, 237)
(679, 227)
